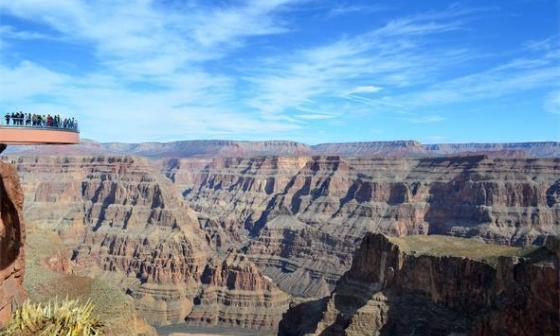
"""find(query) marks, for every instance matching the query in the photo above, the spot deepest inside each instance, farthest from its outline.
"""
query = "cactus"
(55, 318)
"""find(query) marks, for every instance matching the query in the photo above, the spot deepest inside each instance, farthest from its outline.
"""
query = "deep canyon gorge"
(309, 238)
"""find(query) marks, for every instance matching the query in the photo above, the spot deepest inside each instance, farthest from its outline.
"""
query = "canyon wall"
(121, 216)
(301, 218)
(206, 239)
(438, 286)
(12, 239)
(246, 149)
(235, 293)
(416, 149)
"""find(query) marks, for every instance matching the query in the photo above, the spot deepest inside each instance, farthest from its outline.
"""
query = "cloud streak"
(227, 70)
(394, 55)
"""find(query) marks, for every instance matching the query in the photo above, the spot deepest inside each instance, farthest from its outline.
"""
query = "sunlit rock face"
(12, 239)
(301, 218)
(437, 286)
(545, 149)
(122, 216)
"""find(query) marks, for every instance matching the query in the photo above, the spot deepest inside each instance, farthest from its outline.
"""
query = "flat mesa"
(37, 136)
(438, 245)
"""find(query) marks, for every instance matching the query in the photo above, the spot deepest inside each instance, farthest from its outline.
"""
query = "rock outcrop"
(119, 215)
(437, 286)
(12, 238)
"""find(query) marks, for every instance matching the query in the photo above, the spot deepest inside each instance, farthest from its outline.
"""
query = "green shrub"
(55, 318)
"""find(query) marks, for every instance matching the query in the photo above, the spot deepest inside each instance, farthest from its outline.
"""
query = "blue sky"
(310, 71)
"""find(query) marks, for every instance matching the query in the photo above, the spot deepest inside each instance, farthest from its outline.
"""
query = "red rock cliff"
(12, 236)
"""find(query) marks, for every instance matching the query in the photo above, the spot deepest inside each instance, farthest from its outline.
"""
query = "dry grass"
(476, 249)
(110, 304)
(67, 317)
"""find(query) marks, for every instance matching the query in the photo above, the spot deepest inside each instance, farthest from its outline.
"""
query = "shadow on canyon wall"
(447, 198)
(10, 230)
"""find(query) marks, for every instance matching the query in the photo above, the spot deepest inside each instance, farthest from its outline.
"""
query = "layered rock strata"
(136, 226)
(121, 216)
(12, 239)
(416, 149)
(438, 286)
(298, 218)
(235, 293)
(301, 218)
(247, 149)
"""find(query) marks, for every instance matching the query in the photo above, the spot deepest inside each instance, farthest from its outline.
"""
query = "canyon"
(225, 233)
(120, 216)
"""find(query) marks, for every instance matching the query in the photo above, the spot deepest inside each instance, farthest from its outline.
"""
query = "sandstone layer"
(12, 239)
(438, 286)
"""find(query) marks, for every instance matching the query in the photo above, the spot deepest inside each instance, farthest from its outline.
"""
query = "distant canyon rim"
(246, 234)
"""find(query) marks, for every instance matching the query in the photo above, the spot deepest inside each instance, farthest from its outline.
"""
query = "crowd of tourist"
(38, 120)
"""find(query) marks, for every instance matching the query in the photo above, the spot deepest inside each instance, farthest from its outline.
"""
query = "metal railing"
(62, 125)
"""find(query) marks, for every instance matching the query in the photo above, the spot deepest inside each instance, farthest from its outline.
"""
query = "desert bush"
(55, 318)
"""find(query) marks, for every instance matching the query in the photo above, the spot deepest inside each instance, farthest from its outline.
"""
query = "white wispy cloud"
(364, 89)
(552, 102)
(316, 116)
(144, 38)
(546, 44)
(8, 32)
(154, 59)
(394, 55)
(518, 75)
(141, 44)
(404, 58)
(195, 103)
(422, 119)
(345, 9)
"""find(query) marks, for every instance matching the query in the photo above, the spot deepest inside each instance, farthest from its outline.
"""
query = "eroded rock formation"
(235, 293)
(305, 215)
(121, 215)
(437, 286)
(12, 238)
(297, 220)
(137, 226)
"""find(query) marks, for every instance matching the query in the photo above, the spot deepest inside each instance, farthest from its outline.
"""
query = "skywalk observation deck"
(19, 132)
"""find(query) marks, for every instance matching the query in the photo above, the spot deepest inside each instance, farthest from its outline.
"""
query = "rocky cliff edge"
(12, 236)
(435, 285)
